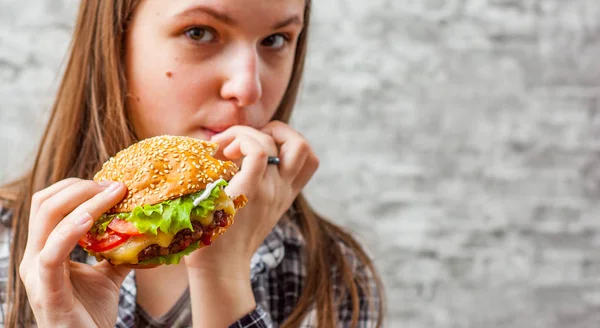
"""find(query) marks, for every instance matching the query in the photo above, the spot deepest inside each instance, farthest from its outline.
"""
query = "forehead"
(249, 10)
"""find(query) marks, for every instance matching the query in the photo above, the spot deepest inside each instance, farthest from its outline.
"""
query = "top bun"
(162, 168)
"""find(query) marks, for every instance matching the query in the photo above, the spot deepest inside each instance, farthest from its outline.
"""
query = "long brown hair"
(88, 123)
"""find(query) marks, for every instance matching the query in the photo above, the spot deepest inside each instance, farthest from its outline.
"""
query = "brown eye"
(201, 34)
(275, 41)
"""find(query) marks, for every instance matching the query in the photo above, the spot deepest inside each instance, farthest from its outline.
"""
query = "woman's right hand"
(63, 293)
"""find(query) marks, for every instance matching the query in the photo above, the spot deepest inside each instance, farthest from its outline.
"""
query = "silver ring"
(273, 160)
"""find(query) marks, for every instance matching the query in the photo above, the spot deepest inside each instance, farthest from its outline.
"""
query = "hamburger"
(175, 202)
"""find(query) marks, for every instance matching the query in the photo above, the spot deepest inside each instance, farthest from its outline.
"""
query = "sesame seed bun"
(162, 168)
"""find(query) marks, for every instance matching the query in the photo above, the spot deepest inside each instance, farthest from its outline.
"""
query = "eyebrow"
(223, 17)
(294, 20)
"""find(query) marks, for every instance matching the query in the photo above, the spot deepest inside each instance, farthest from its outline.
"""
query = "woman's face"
(197, 67)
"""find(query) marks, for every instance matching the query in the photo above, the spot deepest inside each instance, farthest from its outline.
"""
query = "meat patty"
(183, 238)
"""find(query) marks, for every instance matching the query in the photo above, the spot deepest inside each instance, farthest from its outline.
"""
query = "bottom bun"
(141, 266)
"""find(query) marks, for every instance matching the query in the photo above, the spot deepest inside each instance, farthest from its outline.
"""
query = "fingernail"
(83, 219)
(105, 183)
(113, 187)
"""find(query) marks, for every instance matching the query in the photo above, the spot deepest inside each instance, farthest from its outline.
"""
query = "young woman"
(219, 70)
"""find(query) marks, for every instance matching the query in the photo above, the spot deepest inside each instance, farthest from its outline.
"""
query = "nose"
(242, 84)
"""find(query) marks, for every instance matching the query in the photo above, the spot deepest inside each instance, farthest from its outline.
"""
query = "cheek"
(274, 85)
(185, 87)
(164, 95)
(162, 80)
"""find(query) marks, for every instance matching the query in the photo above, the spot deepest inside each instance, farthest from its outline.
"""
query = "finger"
(223, 142)
(64, 237)
(293, 155)
(253, 165)
(280, 126)
(308, 170)
(230, 134)
(280, 130)
(293, 149)
(234, 132)
(40, 196)
(54, 255)
(55, 208)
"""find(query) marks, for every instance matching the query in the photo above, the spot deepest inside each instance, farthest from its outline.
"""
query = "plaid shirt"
(277, 275)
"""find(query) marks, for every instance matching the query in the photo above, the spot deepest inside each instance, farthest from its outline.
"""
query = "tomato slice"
(107, 241)
(124, 227)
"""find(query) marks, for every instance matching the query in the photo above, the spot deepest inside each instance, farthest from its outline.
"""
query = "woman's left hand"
(270, 190)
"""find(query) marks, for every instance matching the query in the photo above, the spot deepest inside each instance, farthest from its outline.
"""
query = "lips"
(215, 130)
(212, 130)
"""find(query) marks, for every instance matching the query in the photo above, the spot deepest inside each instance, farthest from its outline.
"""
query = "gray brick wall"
(458, 138)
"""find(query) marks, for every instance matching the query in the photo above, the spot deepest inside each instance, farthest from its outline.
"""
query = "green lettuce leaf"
(169, 216)
(172, 258)
(101, 224)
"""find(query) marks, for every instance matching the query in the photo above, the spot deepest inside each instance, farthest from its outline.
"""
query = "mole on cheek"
(169, 74)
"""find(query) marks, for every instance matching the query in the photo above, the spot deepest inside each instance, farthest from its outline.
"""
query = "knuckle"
(51, 209)
(277, 123)
(37, 199)
(315, 160)
(72, 180)
(266, 137)
(23, 270)
(25, 273)
(48, 259)
(304, 146)
(261, 154)
(87, 185)
(268, 141)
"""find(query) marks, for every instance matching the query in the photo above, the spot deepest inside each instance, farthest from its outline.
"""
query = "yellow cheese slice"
(128, 251)
(225, 203)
